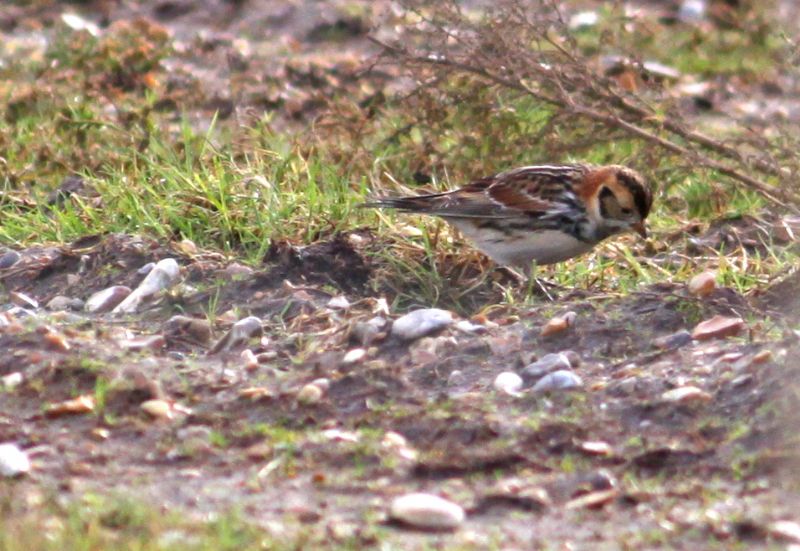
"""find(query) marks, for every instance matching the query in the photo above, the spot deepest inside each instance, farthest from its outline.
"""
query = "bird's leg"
(527, 280)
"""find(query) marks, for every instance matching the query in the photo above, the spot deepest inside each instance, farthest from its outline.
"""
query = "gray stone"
(9, 259)
(419, 323)
(558, 380)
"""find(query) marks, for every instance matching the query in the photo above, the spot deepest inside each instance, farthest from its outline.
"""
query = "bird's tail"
(419, 203)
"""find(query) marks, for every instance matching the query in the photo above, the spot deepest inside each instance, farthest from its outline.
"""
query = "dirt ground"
(621, 462)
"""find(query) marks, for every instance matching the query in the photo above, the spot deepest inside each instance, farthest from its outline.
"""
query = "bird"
(540, 214)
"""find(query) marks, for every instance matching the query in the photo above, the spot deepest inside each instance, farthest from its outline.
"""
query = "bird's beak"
(639, 228)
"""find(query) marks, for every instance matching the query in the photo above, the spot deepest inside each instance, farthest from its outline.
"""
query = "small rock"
(187, 329)
(100, 433)
(310, 394)
(9, 259)
(339, 435)
(592, 500)
(60, 302)
(13, 461)
(558, 324)
(673, 341)
(718, 327)
(107, 299)
(456, 378)
(354, 356)
(596, 448)
(508, 382)
(256, 393)
(583, 19)
(786, 530)
(76, 406)
(187, 247)
(158, 409)
(339, 303)
(163, 275)
(56, 341)
(367, 332)
(544, 365)
(249, 359)
(558, 380)
(11, 381)
(241, 332)
(761, 357)
(238, 271)
(466, 326)
(140, 344)
(426, 511)
(422, 322)
(703, 284)
(686, 394)
(692, 11)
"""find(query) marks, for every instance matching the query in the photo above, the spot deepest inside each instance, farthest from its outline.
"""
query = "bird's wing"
(532, 192)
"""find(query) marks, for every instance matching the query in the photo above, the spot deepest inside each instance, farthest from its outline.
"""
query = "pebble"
(140, 344)
(429, 511)
(185, 328)
(686, 394)
(163, 275)
(509, 383)
(596, 448)
(81, 404)
(786, 530)
(456, 378)
(241, 332)
(692, 11)
(9, 259)
(339, 303)
(238, 271)
(718, 327)
(703, 284)
(107, 299)
(547, 364)
(249, 359)
(422, 322)
(583, 19)
(466, 326)
(60, 302)
(673, 341)
(13, 461)
(11, 381)
(158, 409)
(367, 332)
(558, 324)
(354, 356)
(558, 380)
(310, 394)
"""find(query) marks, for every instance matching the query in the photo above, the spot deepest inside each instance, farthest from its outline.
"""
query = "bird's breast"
(521, 247)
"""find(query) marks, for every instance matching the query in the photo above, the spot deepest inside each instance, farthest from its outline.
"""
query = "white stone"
(427, 511)
(508, 383)
(422, 322)
(163, 275)
(13, 461)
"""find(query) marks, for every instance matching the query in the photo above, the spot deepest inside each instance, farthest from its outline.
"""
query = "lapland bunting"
(543, 214)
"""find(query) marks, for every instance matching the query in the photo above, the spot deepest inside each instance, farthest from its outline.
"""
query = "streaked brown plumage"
(542, 213)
